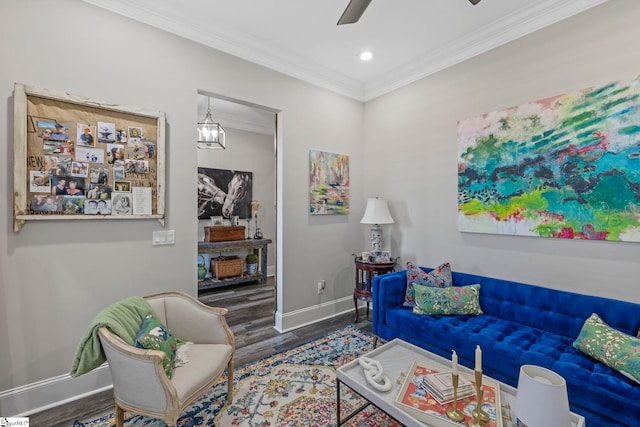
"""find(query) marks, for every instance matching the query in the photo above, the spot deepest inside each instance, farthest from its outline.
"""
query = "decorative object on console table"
(252, 263)
(202, 269)
(365, 272)
(376, 213)
(417, 401)
(542, 399)
(226, 266)
(223, 233)
(255, 207)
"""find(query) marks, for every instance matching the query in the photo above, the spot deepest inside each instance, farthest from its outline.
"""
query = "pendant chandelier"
(210, 134)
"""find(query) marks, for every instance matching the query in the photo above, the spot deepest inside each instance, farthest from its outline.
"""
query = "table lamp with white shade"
(541, 399)
(376, 213)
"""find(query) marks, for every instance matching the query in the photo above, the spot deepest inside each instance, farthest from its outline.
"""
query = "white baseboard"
(36, 397)
(271, 271)
(42, 395)
(309, 315)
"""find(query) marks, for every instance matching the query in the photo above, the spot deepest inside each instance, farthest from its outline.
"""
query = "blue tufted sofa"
(521, 324)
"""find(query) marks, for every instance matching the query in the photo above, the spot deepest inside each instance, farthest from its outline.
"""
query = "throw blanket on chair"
(123, 318)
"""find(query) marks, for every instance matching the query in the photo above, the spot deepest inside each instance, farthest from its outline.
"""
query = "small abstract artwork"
(328, 183)
(224, 193)
(565, 167)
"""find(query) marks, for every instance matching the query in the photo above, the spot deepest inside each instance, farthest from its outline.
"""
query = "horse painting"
(213, 200)
(208, 193)
(237, 191)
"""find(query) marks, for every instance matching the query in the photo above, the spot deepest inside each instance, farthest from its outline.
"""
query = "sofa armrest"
(388, 291)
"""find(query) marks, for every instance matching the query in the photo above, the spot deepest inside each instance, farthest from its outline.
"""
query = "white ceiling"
(410, 39)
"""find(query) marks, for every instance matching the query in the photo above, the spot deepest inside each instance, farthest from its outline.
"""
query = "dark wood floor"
(251, 317)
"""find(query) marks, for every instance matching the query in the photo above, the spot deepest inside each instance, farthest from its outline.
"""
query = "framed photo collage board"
(79, 159)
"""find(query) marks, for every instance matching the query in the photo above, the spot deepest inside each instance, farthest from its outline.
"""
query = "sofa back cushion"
(558, 311)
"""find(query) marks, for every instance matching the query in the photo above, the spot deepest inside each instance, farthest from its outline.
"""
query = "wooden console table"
(365, 272)
(258, 246)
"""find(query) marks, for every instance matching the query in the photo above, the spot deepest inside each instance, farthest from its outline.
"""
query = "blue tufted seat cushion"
(506, 344)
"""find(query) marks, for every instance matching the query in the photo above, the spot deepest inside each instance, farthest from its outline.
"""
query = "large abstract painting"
(223, 192)
(564, 167)
(328, 183)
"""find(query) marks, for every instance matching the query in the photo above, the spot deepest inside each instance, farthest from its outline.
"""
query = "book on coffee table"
(440, 386)
(416, 399)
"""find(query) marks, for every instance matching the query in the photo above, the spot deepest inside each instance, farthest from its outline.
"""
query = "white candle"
(478, 359)
(454, 362)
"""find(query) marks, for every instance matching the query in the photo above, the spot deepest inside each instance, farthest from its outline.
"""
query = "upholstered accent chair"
(140, 384)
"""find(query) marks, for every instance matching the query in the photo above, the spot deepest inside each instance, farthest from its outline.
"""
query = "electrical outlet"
(321, 286)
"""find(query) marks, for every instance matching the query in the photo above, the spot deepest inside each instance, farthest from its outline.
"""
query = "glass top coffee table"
(396, 358)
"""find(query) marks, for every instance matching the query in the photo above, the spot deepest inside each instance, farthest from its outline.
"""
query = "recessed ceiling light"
(366, 55)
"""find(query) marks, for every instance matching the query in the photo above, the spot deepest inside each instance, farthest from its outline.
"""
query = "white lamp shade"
(541, 399)
(377, 212)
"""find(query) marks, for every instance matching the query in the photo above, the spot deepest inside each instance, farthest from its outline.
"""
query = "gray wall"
(595, 47)
(55, 276)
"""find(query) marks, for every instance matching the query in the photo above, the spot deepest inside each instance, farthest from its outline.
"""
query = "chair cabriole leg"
(119, 416)
(230, 382)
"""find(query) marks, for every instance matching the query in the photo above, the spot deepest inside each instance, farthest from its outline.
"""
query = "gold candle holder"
(453, 412)
(479, 417)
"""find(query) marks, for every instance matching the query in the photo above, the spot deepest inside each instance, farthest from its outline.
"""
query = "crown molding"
(539, 15)
(511, 27)
(239, 45)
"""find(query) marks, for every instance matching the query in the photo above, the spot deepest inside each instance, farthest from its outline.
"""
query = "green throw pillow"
(610, 346)
(451, 300)
(155, 336)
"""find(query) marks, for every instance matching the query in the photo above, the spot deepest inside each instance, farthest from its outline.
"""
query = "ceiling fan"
(356, 8)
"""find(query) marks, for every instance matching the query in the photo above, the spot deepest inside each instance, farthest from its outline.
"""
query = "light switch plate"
(164, 237)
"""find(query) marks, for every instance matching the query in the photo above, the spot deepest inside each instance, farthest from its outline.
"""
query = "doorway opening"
(251, 140)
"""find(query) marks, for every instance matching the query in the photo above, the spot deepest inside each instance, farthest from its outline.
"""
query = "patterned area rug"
(292, 388)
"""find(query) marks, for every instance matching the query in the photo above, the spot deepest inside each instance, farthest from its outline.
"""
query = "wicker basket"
(226, 267)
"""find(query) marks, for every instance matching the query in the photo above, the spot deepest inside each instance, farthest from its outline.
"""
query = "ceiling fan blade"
(474, 2)
(353, 12)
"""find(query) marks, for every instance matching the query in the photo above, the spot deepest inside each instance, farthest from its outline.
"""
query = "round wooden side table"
(365, 272)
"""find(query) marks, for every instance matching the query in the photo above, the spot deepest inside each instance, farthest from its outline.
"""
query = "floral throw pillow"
(439, 277)
(452, 300)
(610, 346)
(154, 335)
